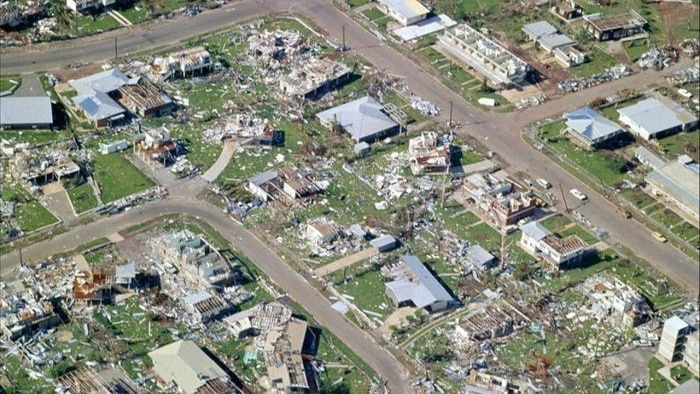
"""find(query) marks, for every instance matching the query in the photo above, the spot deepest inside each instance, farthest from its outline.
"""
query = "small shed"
(480, 257)
(384, 243)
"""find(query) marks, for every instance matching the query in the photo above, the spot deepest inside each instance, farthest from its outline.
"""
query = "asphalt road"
(275, 268)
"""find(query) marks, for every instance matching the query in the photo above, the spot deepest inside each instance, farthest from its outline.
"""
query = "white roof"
(553, 41)
(675, 324)
(25, 110)
(127, 270)
(425, 291)
(425, 27)
(362, 118)
(478, 255)
(406, 8)
(106, 81)
(590, 124)
(196, 298)
(534, 230)
(184, 363)
(654, 116)
(539, 29)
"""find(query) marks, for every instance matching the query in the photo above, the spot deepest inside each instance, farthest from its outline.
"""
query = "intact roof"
(184, 363)
(25, 110)
(675, 324)
(263, 177)
(648, 157)
(691, 386)
(361, 118)
(106, 81)
(407, 8)
(590, 124)
(555, 41)
(98, 105)
(654, 116)
(127, 270)
(534, 230)
(425, 291)
(680, 180)
(539, 29)
(383, 241)
(478, 255)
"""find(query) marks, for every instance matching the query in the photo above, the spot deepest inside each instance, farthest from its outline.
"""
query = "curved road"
(275, 268)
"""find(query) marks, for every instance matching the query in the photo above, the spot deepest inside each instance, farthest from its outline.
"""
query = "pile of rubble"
(658, 58)
(682, 77)
(128, 202)
(531, 101)
(611, 74)
(690, 47)
(424, 106)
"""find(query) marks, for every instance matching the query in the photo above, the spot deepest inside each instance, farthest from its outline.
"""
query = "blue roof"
(98, 105)
(590, 124)
(425, 291)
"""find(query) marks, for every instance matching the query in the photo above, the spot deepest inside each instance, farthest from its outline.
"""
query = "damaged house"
(286, 184)
(86, 380)
(287, 362)
(184, 63)
(38, 167)
(610, 297)
(414, 285)
(615, 27)
(494, 320)
(322, 231)
(494, 197)
(205, 307)
(23, 313)
(258, 320)
(85, 6)
(201, 262)
(105, 97)
(314, 77)
(156, 145)
(557, 251)
(427, 156)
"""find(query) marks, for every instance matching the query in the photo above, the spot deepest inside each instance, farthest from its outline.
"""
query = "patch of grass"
(681, 374)
(92, 244)
(667, 217)
(634, 49)
(687, 143)
(9, 83)
(637, 197)
(357, 3)
(117, 177)
(34, 137)
(582, 233)
(555, 222)
(82, 198)
(32, 216)
(367, 289)
(686, 231)
(85, 25)
(598, 61)
(373, 14)
(483, 235)
(459, 218)
(687, 29)
(657, 383)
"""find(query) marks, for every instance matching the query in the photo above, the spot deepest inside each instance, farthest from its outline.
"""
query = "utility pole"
(344, 47)
(451, 102)
(563, 197)
(116, 54)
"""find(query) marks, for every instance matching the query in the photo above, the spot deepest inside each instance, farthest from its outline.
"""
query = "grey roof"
(98, 105)
(127, 270)
(407, 8)
(360, 147)
(534, 230)
(106, 81)
(425, 291)
(590, 124)
(383, 241)
(25, 110)
(649, 158)
(654, 116)
(539, 29)
(478, 255)
(263, 177)
(184, 363)
(679, 180)
(675, 324)
(362, 118)
(196, 298)
(553, 41)
(691, 386)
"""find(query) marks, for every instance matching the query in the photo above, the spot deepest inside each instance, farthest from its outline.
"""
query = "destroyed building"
(365, 119)
(86, 380)
(258, 320)
(615, 27)
(322, 231)
(427, 156)
(610, 297)
(268, 46)
(483, 383)
(155, 145)
(414, 285)
(192, 254)
(24, 313)
(557, 251)
(204, 307)
(41, 167)
(183, 63)
(494, 320)
(494, 198)
(287, 367)
(487, 57)
(105, 97)
(313, 77)
(192, 371)
(9, 14)
(568, 10)
(286, 184)
(93, 285)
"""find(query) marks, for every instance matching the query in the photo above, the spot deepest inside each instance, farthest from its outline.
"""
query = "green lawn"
(637, 198)
(598, 61)
(635, 49)
(688, 29)
(686, 231)
(457, 217)
(9, 82)
(367, 288)
(555, 222)
(681, 374)
(117, 177)
(483, 235)
(373, 13)
(681, 143)
(581, 232)
(33, 137)
(82, 198)
(667, 217)
(657, 383)
(84, 25)
(357, 3)
(32, 215)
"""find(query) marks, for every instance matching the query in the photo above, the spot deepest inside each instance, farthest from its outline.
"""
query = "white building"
(691, 355)
(322, 231)
(414, 285)
(406, 12)
(673, 339)
(657, 116)
(88, 5)
(487, 57)
(558, 251)
(677, 183)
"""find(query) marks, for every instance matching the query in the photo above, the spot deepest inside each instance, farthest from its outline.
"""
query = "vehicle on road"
(543, 183)
(578, 194)
(659, 237)
(624, 213)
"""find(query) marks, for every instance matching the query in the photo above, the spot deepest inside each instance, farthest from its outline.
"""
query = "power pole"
(563, 197)
(451, 102)
(344, 47)
(115, 48)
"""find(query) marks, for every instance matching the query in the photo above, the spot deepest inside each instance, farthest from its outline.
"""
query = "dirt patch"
(397, 318)
(80, 72)
(64, 336)
(674, 14)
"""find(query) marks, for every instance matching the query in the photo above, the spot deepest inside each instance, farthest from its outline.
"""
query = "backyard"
(116, 177)
(82, 198)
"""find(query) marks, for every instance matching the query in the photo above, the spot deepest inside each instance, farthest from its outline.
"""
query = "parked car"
(660, 237)
(578, 194)
(543, 183)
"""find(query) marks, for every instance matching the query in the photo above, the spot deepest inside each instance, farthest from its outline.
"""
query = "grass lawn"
(667, 217)
(373, 14)
(367, 288)
(681, 143)
(483, 235)
(605, 165)
(85, 25)
(82, 198)
(657, 383)
(9, 82)
(635, 49)
(117, 177)
(199, 151)
(681, 374)
(688, 29)
(32, 216)
(582, 233)
(357, 3)
(135, 16)
(637, 198)
(555, 222)
(33, 137)
(686, 231)
(598, 61)
(457, 217)
(347, 380)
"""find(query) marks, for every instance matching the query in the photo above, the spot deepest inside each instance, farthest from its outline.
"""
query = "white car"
(577, 193)
(543, 183)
